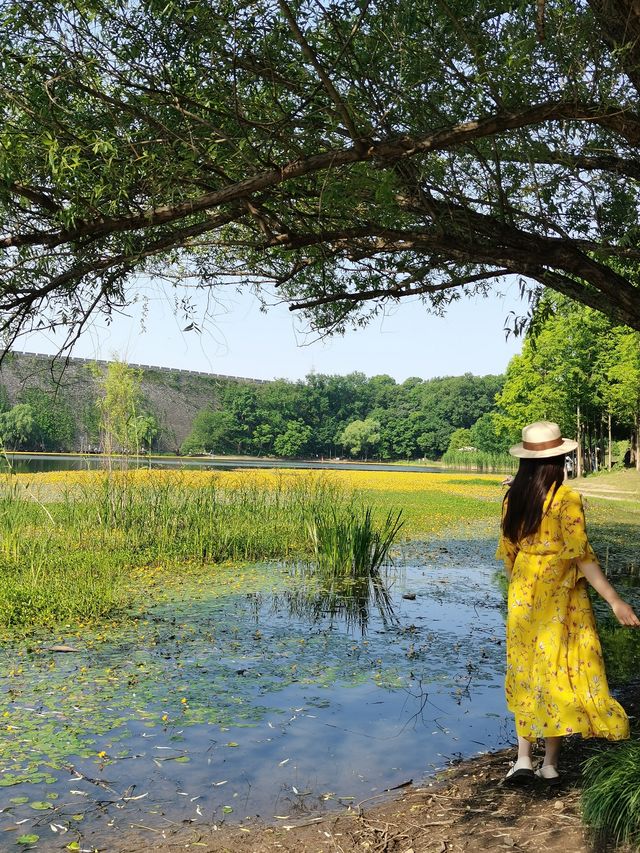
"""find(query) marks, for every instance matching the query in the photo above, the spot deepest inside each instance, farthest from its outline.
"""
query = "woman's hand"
(625, 614)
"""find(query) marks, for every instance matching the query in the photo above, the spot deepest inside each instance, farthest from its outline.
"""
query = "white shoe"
(548, 773)
(521, 773)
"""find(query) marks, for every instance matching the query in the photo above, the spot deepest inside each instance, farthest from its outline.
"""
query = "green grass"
(88, 554)
(611, 794)
(85, 550)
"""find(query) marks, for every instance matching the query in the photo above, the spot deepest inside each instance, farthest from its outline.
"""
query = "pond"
(241, 697)
(36, 463)
(236, 701)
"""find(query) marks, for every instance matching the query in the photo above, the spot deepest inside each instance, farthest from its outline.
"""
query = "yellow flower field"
(430, 502)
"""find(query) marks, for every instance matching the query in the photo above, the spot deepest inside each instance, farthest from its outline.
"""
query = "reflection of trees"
(329, 592)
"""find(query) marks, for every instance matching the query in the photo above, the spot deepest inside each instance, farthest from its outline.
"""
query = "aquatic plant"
(349, 550)
(349, 542)
(611, 794)
(479, 460)
(76, 556)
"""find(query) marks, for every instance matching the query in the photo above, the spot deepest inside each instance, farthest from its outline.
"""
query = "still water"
(236, 701)
(31, 463)
(244, 694)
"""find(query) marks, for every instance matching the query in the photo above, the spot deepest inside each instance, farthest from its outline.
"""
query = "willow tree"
(341, 155)
(125, 427)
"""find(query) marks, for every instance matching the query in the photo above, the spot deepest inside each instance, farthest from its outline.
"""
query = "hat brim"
(568, 444)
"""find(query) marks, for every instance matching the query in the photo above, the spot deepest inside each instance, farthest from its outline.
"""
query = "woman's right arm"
(507, 552)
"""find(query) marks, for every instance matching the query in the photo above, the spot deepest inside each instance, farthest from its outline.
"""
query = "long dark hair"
(525, 498)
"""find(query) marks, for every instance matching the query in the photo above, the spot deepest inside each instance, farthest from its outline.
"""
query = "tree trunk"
(579, 448)
(609, 464)
(637, 449)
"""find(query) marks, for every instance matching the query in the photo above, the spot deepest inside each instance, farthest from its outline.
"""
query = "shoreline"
(462, 809)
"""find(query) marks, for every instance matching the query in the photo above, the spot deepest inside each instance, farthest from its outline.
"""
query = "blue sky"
(240, 340)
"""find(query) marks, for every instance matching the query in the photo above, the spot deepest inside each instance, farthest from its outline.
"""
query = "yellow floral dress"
(555, 682)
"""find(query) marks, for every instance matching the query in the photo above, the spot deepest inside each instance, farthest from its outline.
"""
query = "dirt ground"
(465, 808)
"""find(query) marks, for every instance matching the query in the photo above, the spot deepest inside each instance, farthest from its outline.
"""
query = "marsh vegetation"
(242, 642)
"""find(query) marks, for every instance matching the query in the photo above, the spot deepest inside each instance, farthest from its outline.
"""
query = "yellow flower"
(102, 754)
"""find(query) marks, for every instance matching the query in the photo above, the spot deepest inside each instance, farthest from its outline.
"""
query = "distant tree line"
(576, 368)
(352, 415)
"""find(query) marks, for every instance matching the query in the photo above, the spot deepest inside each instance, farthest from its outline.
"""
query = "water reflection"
(32, 463)
(220, 704)
(321, 593)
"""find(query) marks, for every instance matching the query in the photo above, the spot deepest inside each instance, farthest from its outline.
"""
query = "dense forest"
(343, 415)
(119, 408)
(576, 368)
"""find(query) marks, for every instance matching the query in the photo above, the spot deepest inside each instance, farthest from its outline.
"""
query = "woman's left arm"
(624, 612)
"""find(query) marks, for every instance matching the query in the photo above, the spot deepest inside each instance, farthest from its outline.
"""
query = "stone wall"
(173, 396)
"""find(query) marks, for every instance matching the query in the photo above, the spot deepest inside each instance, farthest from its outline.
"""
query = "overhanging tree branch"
(398, 292)
(386, 151)
(349, 156)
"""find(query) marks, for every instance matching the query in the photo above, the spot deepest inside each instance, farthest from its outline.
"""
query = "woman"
(555, 683)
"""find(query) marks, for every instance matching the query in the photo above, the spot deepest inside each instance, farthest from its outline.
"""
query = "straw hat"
(542, 440)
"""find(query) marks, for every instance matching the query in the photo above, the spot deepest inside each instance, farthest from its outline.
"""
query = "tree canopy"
(579, 370)
(366, 416)
(346, 155)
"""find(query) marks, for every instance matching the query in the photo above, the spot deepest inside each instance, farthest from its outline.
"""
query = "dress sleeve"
(574, 533)
(507, 550)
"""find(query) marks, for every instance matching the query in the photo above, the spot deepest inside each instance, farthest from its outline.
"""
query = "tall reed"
(76, 556)
(349, 551)
(478, 460)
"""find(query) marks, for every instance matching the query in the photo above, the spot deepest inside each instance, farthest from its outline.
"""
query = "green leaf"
(28, 839)
(40, 805)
